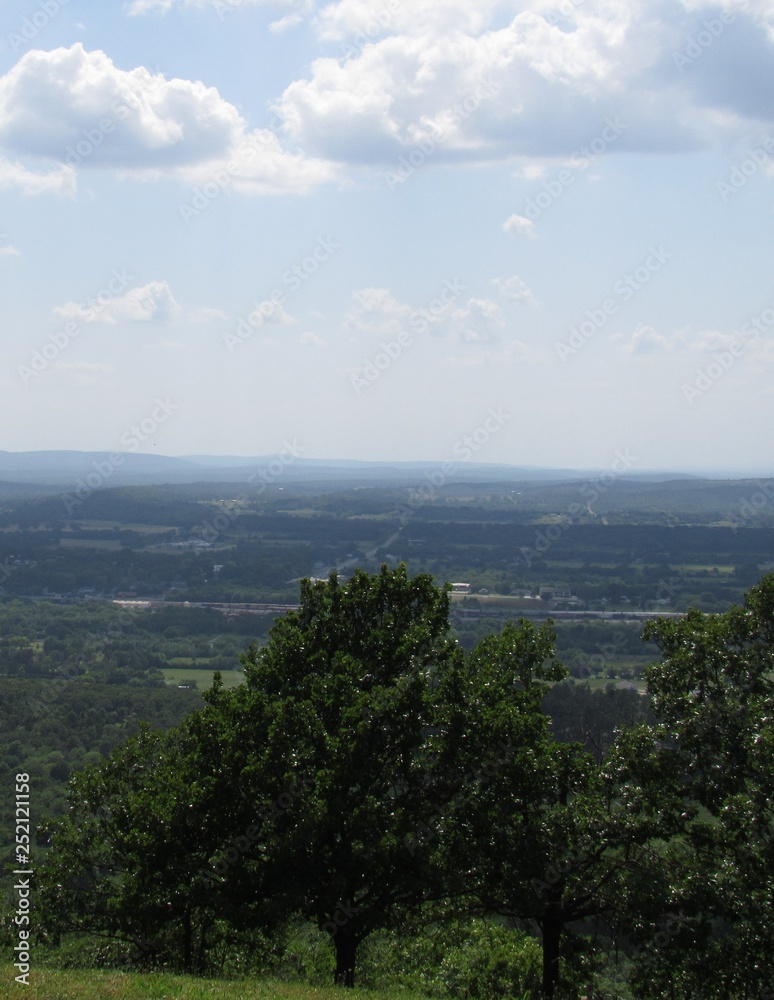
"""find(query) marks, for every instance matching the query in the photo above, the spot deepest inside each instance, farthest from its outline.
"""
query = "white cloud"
(517, 352)
(285, 23)
(312, 339)
(151, 303)
(78, 108)
(646, 340)
(270, 311)
(376, 313)
(519, 225)
(515, 289)
(60, 181)
(412, 71)
(206, 315)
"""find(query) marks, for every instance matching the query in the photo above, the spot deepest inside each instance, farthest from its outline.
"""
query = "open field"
(203, 678)
(53, 984)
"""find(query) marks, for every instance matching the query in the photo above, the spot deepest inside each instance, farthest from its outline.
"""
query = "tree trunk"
(345, 943)
(187, 942)
(551, 926)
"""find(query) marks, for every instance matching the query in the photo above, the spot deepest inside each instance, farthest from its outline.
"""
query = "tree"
(541, 832)
(336, 717)
(129, 861)
(713, 691)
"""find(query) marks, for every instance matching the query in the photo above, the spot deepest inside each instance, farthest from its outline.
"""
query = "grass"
(203, 678)
(56, 984)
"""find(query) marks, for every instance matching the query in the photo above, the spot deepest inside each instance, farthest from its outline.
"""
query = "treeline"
(372, 775)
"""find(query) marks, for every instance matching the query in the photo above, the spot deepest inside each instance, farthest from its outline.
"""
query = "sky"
(536, 233)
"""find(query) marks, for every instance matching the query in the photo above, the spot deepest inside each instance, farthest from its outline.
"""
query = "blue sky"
(365, 226)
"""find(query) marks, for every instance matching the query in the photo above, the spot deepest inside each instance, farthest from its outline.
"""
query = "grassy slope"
(53, 984)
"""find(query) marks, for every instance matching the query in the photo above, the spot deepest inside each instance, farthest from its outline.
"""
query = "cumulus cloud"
(375, 312)
(6, 249)
(206, 314)
(61, 181)
(270, 311)
(646, 340)
(151, 303)
(285, 23)
(78, 108)
(481, 83)
(515, 289)
(519, 225)
(312, 339)
(555, 73)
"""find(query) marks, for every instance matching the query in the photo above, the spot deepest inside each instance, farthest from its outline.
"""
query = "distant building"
(460, 588)
(550, 593)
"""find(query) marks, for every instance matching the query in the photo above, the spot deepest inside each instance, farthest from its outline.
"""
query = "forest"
(524, 789)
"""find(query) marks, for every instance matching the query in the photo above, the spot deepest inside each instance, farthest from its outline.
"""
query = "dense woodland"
(612, 544)
(471, 802)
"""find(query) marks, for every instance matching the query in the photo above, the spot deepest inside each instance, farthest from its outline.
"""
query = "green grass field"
(54, 984)
(203, 678)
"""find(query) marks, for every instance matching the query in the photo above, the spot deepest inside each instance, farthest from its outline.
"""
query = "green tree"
(338, 713)
(713, 691)
(129, 861)
(541, 832)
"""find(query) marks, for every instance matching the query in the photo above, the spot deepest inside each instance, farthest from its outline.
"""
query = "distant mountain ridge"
(65, 468)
